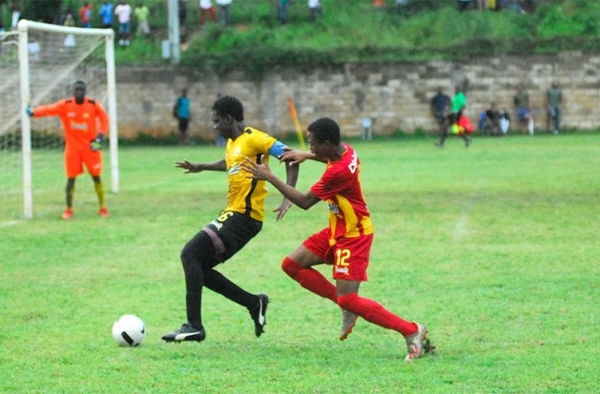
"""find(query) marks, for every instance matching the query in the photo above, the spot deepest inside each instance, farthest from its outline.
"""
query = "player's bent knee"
(348, 301)
(290, 267)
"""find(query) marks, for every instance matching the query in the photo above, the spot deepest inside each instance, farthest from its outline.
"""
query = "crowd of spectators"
(101, 13)
(520, 6)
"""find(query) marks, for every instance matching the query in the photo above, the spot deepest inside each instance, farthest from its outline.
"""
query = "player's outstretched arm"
(262, 171)
(293, 156)
(218, 165)
(292, 171)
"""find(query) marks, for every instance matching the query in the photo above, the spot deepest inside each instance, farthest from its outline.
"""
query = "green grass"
(494, 247)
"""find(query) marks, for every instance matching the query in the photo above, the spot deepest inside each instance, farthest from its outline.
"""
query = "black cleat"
(186, 333)
(259, 314)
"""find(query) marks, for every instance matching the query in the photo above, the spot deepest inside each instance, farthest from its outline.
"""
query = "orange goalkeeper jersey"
(80, 121)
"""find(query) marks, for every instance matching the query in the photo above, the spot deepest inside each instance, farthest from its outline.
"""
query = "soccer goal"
(39, 64)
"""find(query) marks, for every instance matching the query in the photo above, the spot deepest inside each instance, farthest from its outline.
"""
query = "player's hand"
(258, 171)
(96, 143)
(293, 156)
(189, 167)
(29, 110)
(282, 209)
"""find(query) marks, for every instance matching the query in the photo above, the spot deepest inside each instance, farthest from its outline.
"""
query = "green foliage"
(357, 32)
(354, 31)
(494, 247)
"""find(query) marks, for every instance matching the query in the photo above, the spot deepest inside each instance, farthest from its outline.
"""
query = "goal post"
(57, 71)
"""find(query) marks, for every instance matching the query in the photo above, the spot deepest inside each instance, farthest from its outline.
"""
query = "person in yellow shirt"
(141, 13)
(236, 225)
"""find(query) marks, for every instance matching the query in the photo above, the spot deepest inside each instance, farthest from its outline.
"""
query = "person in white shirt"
(224, 12)
(123, 13)
(206, 7)
(314, 9)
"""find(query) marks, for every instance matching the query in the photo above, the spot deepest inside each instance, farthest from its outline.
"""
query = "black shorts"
(230, 232)
(183, 124)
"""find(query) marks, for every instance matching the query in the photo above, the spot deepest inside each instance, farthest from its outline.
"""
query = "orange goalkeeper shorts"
(75, 159)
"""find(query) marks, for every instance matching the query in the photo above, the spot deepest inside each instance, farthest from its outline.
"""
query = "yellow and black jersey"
(247, 195)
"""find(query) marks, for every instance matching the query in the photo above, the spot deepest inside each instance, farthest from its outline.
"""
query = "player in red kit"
(346, 242)
(85, 124)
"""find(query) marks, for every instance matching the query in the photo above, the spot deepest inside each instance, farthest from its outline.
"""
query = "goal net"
(39, 65)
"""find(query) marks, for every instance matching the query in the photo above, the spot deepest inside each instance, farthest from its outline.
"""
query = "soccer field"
(495, 248)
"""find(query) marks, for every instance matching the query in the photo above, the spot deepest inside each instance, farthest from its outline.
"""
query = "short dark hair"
(229, 105)
(325, 129)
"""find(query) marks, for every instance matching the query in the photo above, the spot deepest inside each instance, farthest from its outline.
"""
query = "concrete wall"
(395, 95)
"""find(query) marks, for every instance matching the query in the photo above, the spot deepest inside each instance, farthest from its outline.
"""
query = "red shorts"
(349, 256)
(75, 159)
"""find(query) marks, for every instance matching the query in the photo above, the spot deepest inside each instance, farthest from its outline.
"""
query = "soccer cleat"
(415, 343)
(468, 141)
(439, 144)
(67, 214)
(259, 314)
(186, 333)
(103, 212)
(348, 321)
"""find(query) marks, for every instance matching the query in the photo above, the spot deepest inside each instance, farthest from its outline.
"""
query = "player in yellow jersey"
(237, 224)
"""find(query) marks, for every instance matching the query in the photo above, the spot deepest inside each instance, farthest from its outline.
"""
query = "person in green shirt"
(141, 13)
(459, 103)
(554, 100)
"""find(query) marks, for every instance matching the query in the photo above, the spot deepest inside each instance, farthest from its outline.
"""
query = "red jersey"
(80, 121)
(340, 188)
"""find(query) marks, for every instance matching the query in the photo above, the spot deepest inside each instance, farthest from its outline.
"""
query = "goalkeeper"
(79, 116)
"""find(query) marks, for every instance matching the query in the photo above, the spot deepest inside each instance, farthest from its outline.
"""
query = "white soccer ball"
(129, 330)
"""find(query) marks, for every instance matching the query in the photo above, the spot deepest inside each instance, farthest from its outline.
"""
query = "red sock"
(375, 313)
(310, 279)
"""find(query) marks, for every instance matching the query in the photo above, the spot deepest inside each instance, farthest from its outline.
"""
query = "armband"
(277, 149)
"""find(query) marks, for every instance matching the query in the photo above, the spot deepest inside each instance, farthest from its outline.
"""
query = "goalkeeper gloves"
(96, 143)
(29, 110)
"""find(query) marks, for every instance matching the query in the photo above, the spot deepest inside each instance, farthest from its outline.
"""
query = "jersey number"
(224, 216)
(341, 257)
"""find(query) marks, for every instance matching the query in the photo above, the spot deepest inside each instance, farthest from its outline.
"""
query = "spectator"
(464, 5)
(106, 14)
(85, 15)
(282, 11)
(440, 109)
(459, 123)
(504, 121)
(181, 111)
(206, 7)
(401, 7)
(514, 5)
(15, 15)
(141, 13)
(314, 10)
(492, 121)
(523, 109)
(182, 21)
(123, 13)
(554, 100)
(224, 12)
(69, 41)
